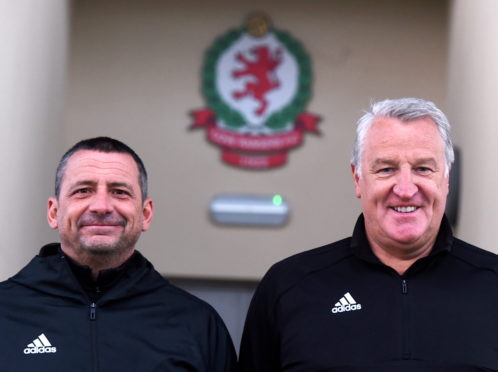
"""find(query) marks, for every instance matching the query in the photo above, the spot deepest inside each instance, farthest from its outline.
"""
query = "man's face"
(403, 187)
(99, 209)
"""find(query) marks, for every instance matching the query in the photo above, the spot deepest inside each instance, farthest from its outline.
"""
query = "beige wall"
(135, 75)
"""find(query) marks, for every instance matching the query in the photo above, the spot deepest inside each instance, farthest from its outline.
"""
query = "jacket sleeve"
(222, 356)
(259, 350)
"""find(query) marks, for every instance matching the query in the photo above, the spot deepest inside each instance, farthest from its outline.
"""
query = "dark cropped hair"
(102, 144)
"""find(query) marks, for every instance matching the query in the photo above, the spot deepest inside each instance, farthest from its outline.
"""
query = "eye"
(385, 170)
(85, 190)
(423, 170)
(121, 193)
(82, 192)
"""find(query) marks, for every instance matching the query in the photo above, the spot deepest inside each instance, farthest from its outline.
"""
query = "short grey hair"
(404, 109)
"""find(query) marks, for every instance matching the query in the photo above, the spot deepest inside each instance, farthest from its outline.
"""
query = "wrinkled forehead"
(97, 164)
(384, 128)
(398, 136)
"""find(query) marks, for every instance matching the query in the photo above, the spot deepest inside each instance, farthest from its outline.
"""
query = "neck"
(400, 258)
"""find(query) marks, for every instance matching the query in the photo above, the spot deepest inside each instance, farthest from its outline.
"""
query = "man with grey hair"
(401, 294)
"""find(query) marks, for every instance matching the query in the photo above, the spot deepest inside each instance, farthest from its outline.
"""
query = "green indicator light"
(277, 200)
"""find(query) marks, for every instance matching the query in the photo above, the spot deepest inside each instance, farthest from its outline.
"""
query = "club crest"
(256, 82)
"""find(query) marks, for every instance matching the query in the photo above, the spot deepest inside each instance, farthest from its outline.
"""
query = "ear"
(356, 179)
(53, 208)
(148, 214)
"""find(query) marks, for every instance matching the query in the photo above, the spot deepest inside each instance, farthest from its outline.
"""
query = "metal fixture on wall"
(249, 210)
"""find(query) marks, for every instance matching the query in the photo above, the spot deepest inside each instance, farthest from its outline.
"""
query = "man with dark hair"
(401, 294)
(107, 145)
(94, 303)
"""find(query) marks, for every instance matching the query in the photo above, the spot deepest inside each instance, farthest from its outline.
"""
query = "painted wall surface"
(134, 74)
(472, 97)
(33, 36)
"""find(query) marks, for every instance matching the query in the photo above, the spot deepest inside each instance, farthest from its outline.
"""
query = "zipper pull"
(93, 311)
(404, 287)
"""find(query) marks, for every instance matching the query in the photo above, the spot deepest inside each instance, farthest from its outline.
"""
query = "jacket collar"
(106, 279)
(49, 272)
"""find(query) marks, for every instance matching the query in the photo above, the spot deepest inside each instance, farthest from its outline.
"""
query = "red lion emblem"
(262, 68)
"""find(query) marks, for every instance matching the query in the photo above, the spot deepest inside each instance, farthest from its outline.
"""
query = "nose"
(100, 203)
(405, 188)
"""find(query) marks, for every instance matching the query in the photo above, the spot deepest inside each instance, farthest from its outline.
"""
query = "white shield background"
(287, 74)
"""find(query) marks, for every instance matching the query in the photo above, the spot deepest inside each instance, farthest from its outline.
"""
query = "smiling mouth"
(100, 221)
(406, 209)
(100, 229)
(100, 225)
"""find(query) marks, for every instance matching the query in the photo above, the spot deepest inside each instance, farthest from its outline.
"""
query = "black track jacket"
(338, 308)
(142, 323)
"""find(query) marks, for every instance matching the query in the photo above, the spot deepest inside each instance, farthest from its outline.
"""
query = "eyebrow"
(388, 161)
(110, 184)
(122, 184)
(82, 183)
(380, 161)
(431, 161)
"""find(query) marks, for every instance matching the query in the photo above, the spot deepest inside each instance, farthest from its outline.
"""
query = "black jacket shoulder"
(285, 274)
(472, 255)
